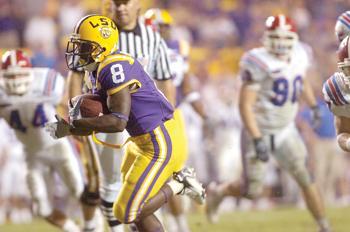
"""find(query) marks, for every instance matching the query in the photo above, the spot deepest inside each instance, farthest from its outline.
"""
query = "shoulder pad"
(336, 90)
(255, 59)
(115, 58)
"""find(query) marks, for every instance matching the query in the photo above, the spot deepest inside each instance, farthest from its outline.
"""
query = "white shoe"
(2, 216)
(132, 227)
(100, 221)
(192, 187)
(15, 217)
(96, 224)
(26, 216)
(213, 202)
(323, 225)
(325, 230)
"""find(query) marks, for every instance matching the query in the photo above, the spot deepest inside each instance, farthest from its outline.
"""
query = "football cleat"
(213, 202)
(327, 229)
(192, 187)
(100, 222)
(132, 227)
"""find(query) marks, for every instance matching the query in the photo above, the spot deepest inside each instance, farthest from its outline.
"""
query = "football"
(89, 105)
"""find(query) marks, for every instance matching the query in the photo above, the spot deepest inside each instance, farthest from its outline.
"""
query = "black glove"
(58, 129)
(261, 150)
(316, 116)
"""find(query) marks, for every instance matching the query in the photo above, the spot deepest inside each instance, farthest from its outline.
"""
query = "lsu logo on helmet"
(105, 32)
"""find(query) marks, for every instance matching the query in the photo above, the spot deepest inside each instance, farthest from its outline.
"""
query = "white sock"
(99, 221)
(91, 224)
(14, 216)
(323, 223)
(70, 226)
(27, 215)
(2, 216)
(175, 186)
(170, 222)
(182, 223)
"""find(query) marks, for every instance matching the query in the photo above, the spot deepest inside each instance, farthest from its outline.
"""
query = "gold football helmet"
(94, 38)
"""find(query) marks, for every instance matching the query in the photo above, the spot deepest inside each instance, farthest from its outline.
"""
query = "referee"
(147, 46)
(142, 42)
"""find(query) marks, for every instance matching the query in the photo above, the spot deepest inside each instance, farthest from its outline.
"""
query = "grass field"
(278, 220)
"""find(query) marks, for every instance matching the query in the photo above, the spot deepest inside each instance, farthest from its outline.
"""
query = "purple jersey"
(149, 107)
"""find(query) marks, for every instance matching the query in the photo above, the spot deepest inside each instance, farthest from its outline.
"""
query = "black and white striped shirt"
(147, 46)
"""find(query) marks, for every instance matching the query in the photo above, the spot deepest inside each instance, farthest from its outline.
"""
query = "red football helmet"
(16, 72)
(156, 16)
(342, 26)
(161, 20)
(344, 56)
(280, 35)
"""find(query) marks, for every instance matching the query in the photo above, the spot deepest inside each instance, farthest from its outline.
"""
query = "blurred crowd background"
(219, 31)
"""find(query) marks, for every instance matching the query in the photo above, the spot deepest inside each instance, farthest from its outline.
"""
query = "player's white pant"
(59, 158)
(331, 166)
(288, 149)
(110, 161)
(196, 152)
(13, 171)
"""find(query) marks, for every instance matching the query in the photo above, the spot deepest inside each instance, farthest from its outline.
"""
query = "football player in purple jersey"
(153, 154)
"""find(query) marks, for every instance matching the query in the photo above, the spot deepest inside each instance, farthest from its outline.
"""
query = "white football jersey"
(178, 52)
(179, 66)
(27, 114)
(278, 84)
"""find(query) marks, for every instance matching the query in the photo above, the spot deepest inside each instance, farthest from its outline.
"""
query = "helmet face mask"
(165, 30)
(17, 81)
(80, 53)
(344, 67)
(280, 44)
(343, 57)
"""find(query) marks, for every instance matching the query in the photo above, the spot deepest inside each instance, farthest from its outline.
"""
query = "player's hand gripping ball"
(86, 106)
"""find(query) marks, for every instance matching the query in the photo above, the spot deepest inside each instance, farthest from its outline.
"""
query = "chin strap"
(103, 143)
